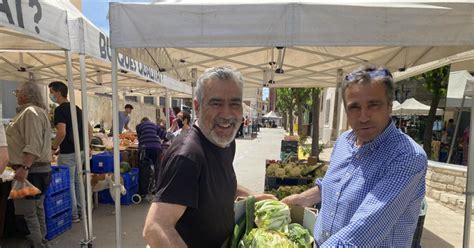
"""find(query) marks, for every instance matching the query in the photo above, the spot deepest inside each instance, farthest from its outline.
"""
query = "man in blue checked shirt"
(372, 191)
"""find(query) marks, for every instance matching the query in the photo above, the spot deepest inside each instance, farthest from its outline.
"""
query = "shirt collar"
(374, 144)
(23, 107)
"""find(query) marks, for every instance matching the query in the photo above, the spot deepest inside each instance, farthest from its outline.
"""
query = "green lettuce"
(299, 235)
(272, 215)
(261, 238)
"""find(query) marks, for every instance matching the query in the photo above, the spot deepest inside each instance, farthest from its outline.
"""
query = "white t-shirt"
(3, 138)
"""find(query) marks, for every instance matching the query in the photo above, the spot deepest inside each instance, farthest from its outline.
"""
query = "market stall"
(296, 52)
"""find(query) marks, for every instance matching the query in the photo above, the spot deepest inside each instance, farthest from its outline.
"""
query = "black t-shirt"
(199, 175)
(62, 114)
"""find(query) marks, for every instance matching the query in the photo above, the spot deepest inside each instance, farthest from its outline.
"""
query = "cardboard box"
(304, 216)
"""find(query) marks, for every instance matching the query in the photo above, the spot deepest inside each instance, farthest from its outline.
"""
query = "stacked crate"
(57, 203)
(130, 182)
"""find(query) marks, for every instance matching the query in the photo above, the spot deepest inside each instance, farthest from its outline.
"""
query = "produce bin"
(275, 182)
(57, 202)
(59, 180)
(106, 198)
(58, 224)
(103, 163)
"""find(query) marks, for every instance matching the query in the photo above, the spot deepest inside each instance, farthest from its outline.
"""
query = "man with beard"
(197, 186)
(372, 191)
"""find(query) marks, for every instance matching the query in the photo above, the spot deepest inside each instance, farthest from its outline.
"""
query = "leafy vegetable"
(261, 238)
(272, 215)
(299, 235)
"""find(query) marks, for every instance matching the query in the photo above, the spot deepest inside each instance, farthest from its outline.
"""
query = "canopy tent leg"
(469, 186)
(115, 123)
(193, 87)
(85, 127)
(75, 132)
(456, 129)
(167, 106)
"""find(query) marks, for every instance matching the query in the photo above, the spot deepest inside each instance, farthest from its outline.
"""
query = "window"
(149, 100)
(174, 103)
(162, 101)
(131, 98)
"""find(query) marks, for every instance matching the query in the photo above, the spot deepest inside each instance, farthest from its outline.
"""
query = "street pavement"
(442, 228)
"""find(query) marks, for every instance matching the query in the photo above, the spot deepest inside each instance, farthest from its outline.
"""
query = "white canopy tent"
(272, 115)
(395, 105)
(413, 107)
(294, 43)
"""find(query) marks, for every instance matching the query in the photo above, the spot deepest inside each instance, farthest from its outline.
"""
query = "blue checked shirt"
(371, 195)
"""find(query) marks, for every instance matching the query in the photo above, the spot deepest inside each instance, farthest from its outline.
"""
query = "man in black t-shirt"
(64, 141)
(197, 186)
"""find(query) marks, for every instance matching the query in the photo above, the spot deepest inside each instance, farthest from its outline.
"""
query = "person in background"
(372, 192)
(29, 151)
(186, 120)
(5, 187)
(124, 118)
(177, 123)
(149, 147)
(63, 144)
(194, 205)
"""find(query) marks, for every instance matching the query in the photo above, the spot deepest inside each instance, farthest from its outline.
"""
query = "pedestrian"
(185, 118)
(194, 205)
(29, 151)
(124, 119)
(372, 192)
(63, 143)
(149, 148)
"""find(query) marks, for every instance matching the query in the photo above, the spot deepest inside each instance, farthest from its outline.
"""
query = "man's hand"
(259, 197)
(21, 174)
(292, 200)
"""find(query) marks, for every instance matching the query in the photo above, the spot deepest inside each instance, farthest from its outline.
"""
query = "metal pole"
(75, 133)
(115, 110)
(456, 129)
(470, 177)
(167, 106)
(85, 127)
(193, 86)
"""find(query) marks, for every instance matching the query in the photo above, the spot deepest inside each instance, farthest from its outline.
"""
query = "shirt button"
(348, 174)
(327, 234)
(332, 213)
(337, 193)
(357, 156)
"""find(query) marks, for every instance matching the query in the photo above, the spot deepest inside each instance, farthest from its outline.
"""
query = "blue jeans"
(69, 160)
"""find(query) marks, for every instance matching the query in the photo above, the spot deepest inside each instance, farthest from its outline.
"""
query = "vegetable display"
(292, 170)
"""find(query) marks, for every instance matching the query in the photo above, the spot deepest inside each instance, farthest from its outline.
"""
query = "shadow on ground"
(430, 239)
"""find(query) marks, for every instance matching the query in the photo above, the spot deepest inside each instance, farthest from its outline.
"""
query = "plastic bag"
(21, 189)
(7, 175)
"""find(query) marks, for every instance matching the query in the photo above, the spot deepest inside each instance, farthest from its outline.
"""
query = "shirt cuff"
(31, 150)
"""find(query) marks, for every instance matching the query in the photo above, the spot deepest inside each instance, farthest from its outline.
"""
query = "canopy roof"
(33, 25)
(83, 37)
(459, 85)
(272, 115)
(293, 43)
(413, 107)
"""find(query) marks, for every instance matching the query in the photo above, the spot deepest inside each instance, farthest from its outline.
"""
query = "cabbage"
(295, 172)
(280, 172)
(272, 215)
(261, 238)
(272, 168)
(299, 235)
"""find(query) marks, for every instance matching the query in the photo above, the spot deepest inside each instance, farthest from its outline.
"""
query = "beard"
(211, 134)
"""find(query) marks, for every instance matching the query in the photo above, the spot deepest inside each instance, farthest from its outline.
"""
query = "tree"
(286, 104)
(315, 122)
(302, 98)
(436, 81)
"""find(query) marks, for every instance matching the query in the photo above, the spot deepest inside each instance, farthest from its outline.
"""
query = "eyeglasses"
(372, 74)
(15, 92)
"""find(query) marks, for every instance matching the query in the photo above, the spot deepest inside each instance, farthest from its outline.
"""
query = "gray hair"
(364, 75)
(217, 73)
(33, 93)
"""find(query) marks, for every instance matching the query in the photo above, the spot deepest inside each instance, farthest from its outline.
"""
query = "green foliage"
(436, 81)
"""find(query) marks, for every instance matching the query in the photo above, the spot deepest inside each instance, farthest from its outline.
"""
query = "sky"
(97, 10)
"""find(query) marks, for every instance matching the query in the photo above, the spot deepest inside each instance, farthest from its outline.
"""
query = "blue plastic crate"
(58, 224)
(130, 178)
(59, 179)
(103, 163)
(106, 198)
(57, 202)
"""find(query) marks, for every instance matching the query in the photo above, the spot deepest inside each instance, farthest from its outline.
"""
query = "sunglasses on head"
(372, 74)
